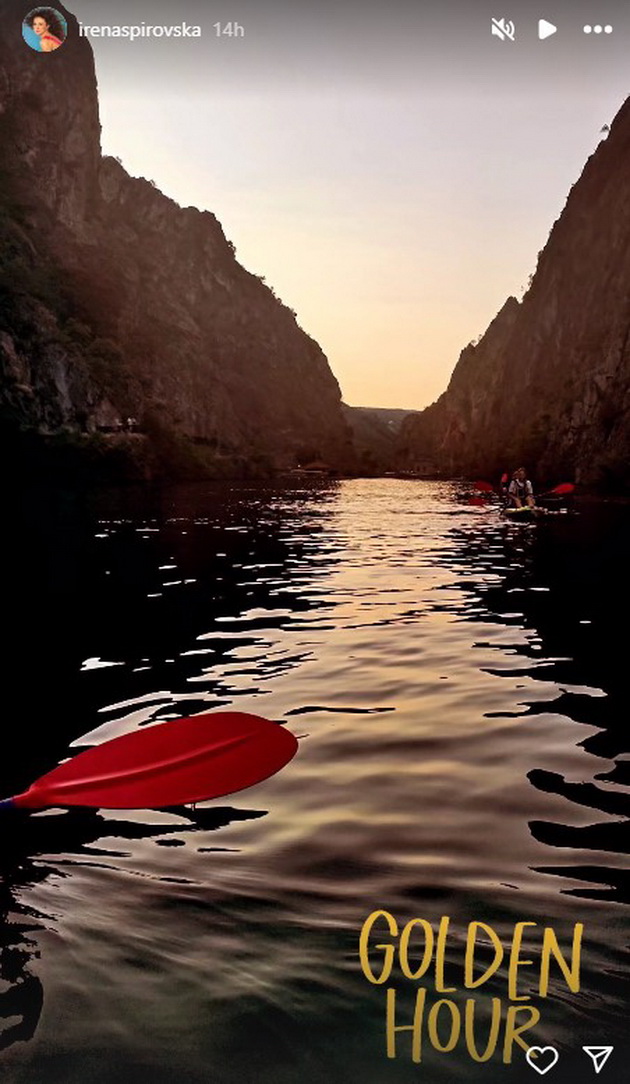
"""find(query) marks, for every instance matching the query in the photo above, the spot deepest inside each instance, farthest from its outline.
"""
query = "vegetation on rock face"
(124, 315)
(40, 344)
(548, 383)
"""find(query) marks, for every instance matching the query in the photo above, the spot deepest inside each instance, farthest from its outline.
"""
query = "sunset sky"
(392, 173)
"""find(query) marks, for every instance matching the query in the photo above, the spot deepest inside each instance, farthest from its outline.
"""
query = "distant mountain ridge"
(376, 431)
(548, 385)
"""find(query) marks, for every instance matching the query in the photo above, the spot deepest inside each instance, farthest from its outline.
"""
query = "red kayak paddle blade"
(174, 763)
(484, 487)
(565, 487)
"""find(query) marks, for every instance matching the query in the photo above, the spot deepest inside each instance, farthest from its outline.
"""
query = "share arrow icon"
(599, 1055)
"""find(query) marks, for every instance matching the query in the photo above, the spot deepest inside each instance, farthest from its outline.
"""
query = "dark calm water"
(459, 686)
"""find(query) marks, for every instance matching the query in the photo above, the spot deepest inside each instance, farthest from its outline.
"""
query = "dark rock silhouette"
(123, 314)
(548, 384)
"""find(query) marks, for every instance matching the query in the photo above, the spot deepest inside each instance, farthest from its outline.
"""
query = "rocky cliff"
(549, 383)
(117, 304)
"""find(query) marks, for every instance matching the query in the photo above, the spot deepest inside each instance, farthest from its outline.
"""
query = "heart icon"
(550, 1055)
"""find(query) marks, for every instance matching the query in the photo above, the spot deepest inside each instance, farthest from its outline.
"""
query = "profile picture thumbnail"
(44, 29)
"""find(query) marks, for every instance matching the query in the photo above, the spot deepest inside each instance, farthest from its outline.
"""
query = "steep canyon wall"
(116, 302)
(549, 382)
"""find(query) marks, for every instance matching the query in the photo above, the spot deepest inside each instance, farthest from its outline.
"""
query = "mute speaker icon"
(503, 29)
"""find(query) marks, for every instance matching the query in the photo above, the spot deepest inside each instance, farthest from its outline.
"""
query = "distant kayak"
(525, 513)
(531, 514)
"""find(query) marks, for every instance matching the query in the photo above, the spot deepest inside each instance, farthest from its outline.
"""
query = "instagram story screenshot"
(315, 434)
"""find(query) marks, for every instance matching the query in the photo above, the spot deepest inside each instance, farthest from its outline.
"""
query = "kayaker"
(520, 490)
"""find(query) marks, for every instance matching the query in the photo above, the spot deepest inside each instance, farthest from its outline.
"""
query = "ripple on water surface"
(462, 753)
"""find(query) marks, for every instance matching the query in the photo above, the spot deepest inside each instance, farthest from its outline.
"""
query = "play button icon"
(545, 29)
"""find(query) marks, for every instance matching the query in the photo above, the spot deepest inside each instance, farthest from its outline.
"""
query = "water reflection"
(456, 682)
(557, 582)
(21, 992)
